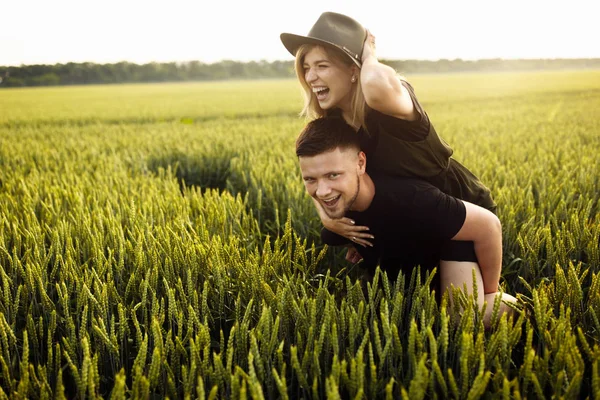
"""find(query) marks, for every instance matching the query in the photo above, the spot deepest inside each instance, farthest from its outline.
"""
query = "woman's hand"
(369, 47)
(345, 227)
(353, 255)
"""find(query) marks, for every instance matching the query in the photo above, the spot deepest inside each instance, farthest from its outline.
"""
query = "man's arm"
(367, 253)
(432, 214)
(484, 229)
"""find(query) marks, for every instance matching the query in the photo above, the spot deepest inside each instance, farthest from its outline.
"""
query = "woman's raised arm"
(382, 87)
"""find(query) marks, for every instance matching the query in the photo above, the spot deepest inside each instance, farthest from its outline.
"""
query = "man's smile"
(331, 201)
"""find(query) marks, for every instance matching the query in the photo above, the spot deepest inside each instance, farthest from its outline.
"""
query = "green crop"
(156, 241)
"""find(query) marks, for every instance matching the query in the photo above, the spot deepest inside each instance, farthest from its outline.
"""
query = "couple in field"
(382, 179)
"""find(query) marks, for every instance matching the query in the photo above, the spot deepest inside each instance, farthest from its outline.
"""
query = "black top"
(410, 219)
(414, 149)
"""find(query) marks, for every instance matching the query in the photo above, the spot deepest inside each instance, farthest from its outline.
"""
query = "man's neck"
(365, 194)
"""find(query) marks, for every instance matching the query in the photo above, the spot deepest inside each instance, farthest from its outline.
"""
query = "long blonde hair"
(312, 109)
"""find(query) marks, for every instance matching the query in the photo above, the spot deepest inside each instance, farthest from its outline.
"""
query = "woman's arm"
(484, 229)
(382, 87)
(345, 227)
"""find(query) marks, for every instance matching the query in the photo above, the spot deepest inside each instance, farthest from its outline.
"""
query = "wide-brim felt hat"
(333, 29)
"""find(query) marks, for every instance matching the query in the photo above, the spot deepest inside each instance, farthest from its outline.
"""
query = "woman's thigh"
(459, 274)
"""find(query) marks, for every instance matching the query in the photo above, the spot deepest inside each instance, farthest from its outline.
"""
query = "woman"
(338, 69)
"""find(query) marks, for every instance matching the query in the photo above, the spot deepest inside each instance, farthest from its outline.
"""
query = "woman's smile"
(321, 92)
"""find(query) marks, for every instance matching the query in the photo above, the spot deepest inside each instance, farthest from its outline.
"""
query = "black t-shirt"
(410, 219)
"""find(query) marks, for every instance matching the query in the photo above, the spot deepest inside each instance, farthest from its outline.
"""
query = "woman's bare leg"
(504, 308)
(459, 273)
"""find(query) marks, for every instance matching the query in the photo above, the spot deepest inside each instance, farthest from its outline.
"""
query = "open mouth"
(332, 201)
(321, 92)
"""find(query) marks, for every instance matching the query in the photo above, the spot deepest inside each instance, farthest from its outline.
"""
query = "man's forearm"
(483, 228)
(488, 250)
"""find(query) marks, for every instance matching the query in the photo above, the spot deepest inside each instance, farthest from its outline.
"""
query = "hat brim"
(293, 42)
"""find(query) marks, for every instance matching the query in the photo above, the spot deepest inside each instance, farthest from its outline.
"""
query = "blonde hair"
(312, 109)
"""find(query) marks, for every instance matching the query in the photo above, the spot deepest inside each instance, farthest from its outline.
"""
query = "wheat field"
(156, 242)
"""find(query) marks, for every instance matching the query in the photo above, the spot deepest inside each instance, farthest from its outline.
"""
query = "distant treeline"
(126, 72)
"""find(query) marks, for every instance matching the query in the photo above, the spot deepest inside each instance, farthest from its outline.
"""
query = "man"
(411, 221)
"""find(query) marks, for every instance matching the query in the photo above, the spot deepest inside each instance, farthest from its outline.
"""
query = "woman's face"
(330, 81)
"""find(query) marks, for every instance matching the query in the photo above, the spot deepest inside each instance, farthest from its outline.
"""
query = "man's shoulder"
(400, 184)
(427, 210)
(402, 193)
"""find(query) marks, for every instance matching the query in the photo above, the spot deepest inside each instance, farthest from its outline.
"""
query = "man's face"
(333, 179)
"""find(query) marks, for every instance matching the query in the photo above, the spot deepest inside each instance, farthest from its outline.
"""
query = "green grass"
(156, 240)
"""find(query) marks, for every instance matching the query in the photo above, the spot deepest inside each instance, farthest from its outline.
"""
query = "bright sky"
(140, 31)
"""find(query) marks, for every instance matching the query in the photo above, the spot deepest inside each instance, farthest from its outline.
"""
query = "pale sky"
(141, 31)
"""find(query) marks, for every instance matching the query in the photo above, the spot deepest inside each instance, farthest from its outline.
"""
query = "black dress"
(414, 149)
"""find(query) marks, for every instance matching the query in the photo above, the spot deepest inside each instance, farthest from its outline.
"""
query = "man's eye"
(333, 176)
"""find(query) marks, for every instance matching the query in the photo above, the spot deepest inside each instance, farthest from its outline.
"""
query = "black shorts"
(457, 250)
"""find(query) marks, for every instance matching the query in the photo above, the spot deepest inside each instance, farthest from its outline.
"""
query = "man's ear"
(362, 162)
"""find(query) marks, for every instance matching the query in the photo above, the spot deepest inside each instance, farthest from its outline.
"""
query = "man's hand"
(345, 227)
(352, 255)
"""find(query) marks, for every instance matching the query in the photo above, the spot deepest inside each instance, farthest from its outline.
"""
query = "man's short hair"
(326, 134)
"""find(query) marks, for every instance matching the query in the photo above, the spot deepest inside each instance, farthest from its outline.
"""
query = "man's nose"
(323, 189)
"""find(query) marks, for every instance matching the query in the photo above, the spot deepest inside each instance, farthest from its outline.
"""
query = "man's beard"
(349, 205)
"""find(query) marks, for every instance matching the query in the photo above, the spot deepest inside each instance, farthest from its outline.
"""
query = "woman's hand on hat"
(346, 227)
(369, 47)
